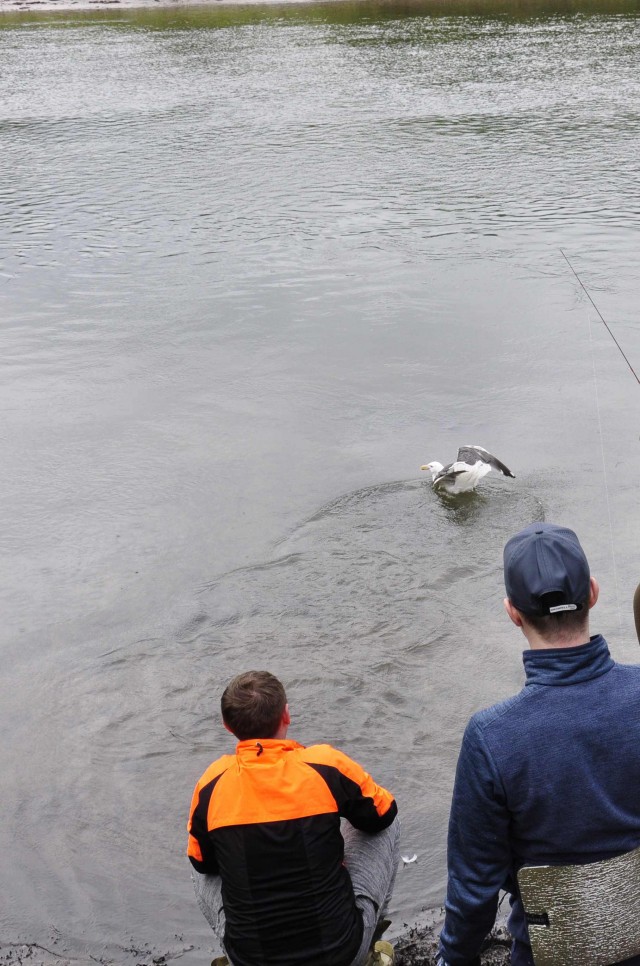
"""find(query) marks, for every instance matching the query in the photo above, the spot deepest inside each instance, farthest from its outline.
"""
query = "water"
(259, 264)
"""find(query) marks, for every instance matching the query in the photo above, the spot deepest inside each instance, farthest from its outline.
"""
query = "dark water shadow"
(468, 509)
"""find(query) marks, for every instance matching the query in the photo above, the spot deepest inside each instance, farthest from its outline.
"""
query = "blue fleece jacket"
(550, 776)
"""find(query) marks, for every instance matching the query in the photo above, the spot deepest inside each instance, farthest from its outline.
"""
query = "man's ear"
(286, 716)
(594, 592)
(513, 612)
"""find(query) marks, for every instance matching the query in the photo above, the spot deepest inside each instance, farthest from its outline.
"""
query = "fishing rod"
(636, 602)
(601, 315)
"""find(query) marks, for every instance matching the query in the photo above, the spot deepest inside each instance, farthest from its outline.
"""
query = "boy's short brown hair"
(252, 705)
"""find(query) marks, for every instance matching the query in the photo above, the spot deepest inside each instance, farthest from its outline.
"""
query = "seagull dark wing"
(448, 474)
(471, 455)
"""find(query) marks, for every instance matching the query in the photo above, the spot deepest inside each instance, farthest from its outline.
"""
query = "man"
(275, 876)
(552, 775)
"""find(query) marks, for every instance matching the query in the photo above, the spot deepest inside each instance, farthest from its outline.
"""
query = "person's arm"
(368, 806)
(478, 853)
(199, 848)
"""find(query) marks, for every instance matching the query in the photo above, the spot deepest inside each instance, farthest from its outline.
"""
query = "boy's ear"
(513, 612)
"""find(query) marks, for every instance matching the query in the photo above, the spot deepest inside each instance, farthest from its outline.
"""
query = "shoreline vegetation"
(193, 12)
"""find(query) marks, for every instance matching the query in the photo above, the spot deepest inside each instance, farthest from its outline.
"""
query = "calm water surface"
(258, 265)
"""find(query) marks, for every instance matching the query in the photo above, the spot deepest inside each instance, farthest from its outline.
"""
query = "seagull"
(472, 464)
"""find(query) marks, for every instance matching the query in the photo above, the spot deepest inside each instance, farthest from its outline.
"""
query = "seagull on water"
(465, 473)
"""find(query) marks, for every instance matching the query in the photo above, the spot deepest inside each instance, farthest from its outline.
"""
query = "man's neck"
(538, 643)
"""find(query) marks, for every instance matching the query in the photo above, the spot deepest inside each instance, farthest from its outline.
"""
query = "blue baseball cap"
(545, 570)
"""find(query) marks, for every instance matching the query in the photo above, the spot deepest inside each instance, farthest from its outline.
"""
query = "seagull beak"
(427, 467)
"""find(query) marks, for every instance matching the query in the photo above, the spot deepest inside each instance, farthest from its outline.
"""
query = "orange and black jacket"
(267, 820)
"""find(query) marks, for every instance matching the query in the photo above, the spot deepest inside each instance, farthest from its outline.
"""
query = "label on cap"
(559, 607)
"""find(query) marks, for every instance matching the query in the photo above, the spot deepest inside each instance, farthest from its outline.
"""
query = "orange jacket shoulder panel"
(328, 755)
(283, 789)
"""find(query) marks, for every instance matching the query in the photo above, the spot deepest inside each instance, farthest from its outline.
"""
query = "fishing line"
(604, 462)
(601, 316)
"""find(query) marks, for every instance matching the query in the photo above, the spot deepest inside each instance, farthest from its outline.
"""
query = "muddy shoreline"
(417, 947)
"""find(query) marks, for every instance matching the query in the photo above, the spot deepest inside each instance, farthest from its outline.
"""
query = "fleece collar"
(560, 666)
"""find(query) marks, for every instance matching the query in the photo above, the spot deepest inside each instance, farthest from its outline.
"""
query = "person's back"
(555, 752)
(266, 820)
(574, 798)
(550, 776)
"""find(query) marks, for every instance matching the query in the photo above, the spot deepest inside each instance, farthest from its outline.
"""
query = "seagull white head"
(434, 468)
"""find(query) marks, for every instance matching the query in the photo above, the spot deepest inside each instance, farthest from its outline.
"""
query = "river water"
(258, 265)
